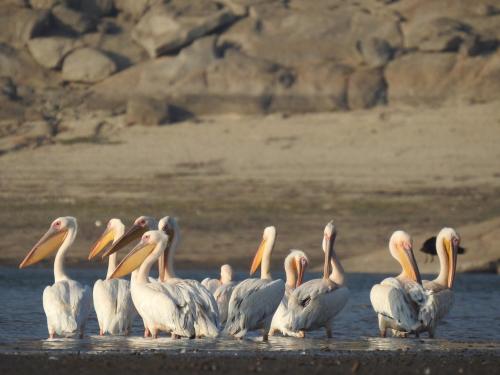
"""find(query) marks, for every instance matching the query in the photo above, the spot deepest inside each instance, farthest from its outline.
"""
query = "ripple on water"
(472, 323)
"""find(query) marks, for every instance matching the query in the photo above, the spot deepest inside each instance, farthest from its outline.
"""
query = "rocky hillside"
(77, 69)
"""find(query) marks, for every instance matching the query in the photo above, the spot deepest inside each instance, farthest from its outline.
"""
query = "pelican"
(67, 303)
(206, 309)
(397, 300)
(161, 306)
(295, 264)
(315, 303)
(141, 225)
(226, 276)
(439, 290)
(254, 301)
(112, 300)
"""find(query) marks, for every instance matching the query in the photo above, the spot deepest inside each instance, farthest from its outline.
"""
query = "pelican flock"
(179, 307)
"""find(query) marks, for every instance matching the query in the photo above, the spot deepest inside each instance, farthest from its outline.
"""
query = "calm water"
(474, 321)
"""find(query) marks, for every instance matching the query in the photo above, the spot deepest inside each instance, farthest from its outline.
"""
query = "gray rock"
(367, 88)
(160, 31)
(49, 52)
(87, 65)
(72, 20)
(147, 111)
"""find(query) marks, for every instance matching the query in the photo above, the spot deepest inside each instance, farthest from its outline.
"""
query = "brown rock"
(161, 31)
(49, 52)
(18, 25)
(72, 20)
(134, 8)
(367, 88)
(420, 78)
(147, 111)
(87, 65)
(376, 52)
(437, 35)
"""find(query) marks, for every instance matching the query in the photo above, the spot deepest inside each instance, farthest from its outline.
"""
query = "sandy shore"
(226, 178)
(466, 362)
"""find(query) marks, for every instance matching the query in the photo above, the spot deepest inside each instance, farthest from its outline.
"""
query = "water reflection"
(472, 324)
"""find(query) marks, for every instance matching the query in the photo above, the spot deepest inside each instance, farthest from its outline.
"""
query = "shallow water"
(473, 323)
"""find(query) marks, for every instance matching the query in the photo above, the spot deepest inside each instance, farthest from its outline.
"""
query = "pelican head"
(226, 273)
(268, 238)
(330, 233)
(401, 248)
(114, 229)
(297, 261)
(50, 241)
(447, 243)
(141, 225)
(152, 242)
(168, 225)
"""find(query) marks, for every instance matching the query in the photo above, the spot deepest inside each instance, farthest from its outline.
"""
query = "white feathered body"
(206, 312)
(67, 305)
(252, 305)
(222, 296)
(113, 306)
(211, 284)
(164, 307)
(281, 318)
(439, 302)
(398, 302)
(315, 304)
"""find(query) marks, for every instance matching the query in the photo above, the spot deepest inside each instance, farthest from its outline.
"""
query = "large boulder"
(72, 20)
(420, 78)
(18, 25)
(367, 88)
(147, 111)
(162, 31)
(437, 34)
(134, 8)
(87, 65)
(49, 52)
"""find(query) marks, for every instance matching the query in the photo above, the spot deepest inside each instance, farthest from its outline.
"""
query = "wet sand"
(340, 362)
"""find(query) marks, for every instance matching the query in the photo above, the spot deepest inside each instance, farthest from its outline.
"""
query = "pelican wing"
(113, 305)
(167, 307)
(391, 299)
(222, 296)
(211, 284)
(205, 307)
(67, 305)
(252, 305)
(439, 303)
(315, 303)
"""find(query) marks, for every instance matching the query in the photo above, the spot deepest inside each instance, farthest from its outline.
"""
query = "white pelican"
(397, 300)
(162, 307)
(439, 290)
(112, 300)
(315, 304)
(254, 301)
(295, 264)
(226, 276)
(206, 310)
(67, 303)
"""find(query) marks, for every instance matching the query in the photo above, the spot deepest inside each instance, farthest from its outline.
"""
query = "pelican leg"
(52, 335)
(265, 337)
(82, 332)
(175, 336)
(272, 331)
(147, 333)
(328, 332)
(101, 332)
(154, 333)
(381, 326)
